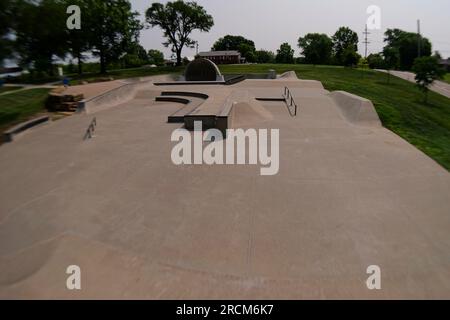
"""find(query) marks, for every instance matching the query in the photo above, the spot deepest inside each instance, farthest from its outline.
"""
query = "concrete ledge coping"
(181, 83)
(111, 97)
(185, 94)
(9, 134)
(173, 99)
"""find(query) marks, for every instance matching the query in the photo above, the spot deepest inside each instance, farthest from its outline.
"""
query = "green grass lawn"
(6, 89)
(447, 78)
(21, 106)
(399, 104)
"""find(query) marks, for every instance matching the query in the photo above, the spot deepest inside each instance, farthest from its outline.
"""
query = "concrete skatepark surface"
(349, 194)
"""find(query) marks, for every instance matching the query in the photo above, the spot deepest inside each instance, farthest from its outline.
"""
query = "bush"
(350, 57)
(376, 61)
(363, 63)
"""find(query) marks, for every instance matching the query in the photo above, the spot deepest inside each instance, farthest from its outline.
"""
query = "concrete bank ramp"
(114, 97)
(355, 109)
(289, 75)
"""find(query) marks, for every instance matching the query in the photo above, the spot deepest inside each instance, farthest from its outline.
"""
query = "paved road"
(439, 86)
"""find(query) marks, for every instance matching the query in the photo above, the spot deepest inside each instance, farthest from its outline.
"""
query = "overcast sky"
(270, 22)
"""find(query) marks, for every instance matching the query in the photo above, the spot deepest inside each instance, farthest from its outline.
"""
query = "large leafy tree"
(155, 57)
(112, 28)
(6, 25)
(427, 70)
(178, 20)
(135, 56)
(263, 56)
(285, 54)
(41, 33)
(376, 61)
(230, 42)
(407, 45)
(350, 57)
(344, 40)
(245, 46)
(316, 48)
(248, 52)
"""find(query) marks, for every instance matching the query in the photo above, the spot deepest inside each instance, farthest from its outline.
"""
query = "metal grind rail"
(91, 129)
(290, 102)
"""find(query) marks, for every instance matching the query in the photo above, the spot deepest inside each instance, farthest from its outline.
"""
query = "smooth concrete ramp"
(356, 110)
(289, 75)
(247, 111)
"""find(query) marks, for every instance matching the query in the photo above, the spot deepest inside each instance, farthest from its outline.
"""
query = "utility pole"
(419, 53)
(366, 40)
(197, 48)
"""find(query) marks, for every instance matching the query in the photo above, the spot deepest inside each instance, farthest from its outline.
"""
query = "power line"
(366, 40)
(418, 39)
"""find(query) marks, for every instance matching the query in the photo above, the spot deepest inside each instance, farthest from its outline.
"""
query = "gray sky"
(270, 22)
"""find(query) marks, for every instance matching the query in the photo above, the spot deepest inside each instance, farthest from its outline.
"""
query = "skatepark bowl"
(349, 194)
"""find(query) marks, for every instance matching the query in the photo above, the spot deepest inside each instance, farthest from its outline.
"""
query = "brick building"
(222, 57)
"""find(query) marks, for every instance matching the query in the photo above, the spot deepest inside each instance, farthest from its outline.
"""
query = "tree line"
(315, 49)
(35, 33)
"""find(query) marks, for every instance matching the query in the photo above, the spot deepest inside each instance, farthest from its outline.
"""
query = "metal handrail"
(290, 101)
(90, 129)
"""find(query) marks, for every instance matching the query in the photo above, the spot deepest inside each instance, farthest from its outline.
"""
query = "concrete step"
(178, 117)
(184, 94)
(172, 99)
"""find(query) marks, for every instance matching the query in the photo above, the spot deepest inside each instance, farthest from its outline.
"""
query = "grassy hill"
(447, 78)
(399, 103)
(21, 106)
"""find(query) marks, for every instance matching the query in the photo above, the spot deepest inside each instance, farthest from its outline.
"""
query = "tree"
(350, 57)
(391, 60)
(363, 63)
(40, 39)
(427, 70)
(135, 56)
(245, 46)
(376, 61)
(285, 54)
(112, 27)
(230, 42)
(263, 56)
(316, 48)
(407, 44)
(248, 52)
(177, 20)
(6, 24)
(344, 40)
(155, 57)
